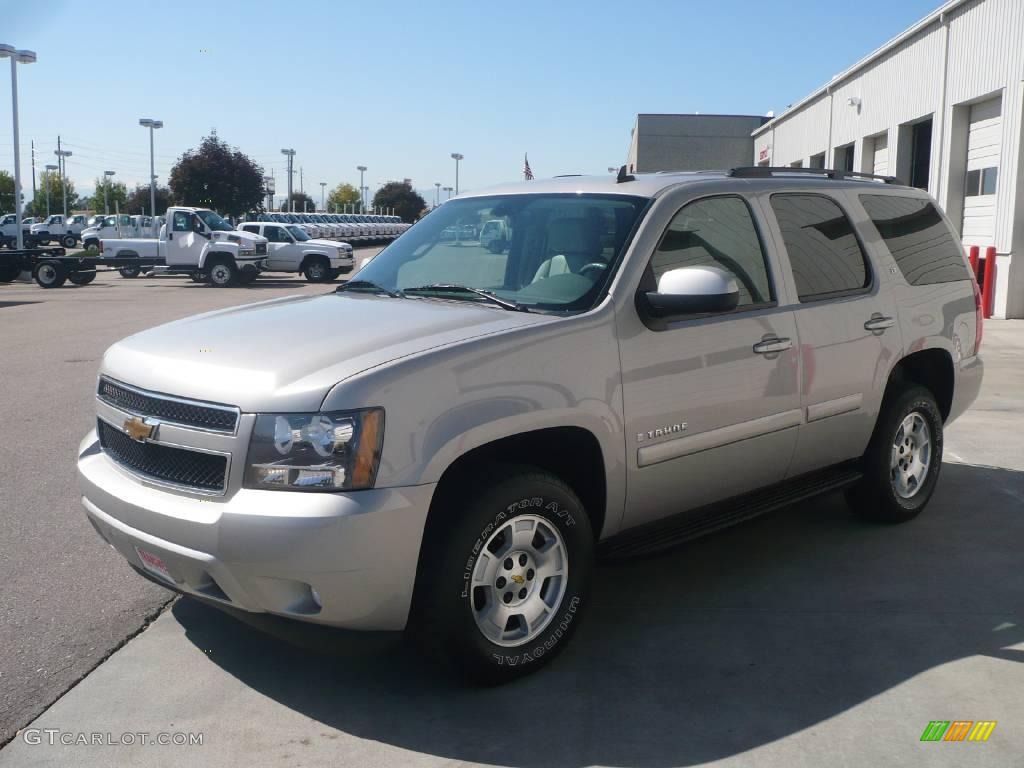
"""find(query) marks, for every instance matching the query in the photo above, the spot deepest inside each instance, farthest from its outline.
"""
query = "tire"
(317, 269)
(900, 472)
(247, 274)
(69, 241)
(82, 278)
(130, 272)
(50, 274)
(91, 245)
(9, 272)
(222, 273)
(448, 609)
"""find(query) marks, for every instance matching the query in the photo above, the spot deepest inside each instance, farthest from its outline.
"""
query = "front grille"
(261, 249)
(179, 466)
(186, 413)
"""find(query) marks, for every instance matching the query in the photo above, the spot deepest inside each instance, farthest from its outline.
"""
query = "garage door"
(881, 155)
(982, 180)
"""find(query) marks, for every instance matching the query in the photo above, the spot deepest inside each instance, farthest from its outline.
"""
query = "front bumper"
(263, 551)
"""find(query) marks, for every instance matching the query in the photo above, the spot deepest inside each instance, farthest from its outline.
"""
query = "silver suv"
(631, 362)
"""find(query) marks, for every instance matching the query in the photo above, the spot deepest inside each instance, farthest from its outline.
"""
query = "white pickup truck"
(114, 227)
(290, 249)
(65, 229)
(9, 229)
(197, 241)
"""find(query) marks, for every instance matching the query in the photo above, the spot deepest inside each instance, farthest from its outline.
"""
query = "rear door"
(846, 325)
(279, 247)
(711, 403)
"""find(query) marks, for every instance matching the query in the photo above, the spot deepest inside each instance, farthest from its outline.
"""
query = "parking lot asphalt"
(803, 638)
(66, 600)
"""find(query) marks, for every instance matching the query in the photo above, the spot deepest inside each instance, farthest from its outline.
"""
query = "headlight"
(315, 451)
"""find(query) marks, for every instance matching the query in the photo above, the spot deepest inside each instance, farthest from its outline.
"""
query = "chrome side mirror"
(693, 291)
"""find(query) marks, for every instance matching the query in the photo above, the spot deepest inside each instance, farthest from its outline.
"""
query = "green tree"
(51, 182)
(138, 201)
(403, 198)
(117, 194)
(218, 176)
(303, 203)
(6, 192)
(341, 196)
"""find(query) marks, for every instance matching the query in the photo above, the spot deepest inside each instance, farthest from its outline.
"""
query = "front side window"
(824, 253)
(557, 251)
(917, 237)
(182, 222)
(717, 232)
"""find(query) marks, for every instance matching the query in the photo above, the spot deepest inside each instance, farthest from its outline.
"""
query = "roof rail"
(767, 172)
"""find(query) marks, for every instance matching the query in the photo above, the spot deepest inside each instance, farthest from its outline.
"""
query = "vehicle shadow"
(704, 652)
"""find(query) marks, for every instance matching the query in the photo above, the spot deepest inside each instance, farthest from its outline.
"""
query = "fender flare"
(205, 257)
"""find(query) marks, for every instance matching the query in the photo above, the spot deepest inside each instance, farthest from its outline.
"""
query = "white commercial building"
(941, 107)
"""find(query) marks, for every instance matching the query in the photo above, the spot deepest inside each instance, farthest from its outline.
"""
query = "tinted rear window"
(918, 239)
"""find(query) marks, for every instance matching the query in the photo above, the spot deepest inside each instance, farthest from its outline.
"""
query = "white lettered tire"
(504, 574)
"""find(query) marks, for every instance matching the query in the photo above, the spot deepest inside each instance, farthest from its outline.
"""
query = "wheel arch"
(930, 368)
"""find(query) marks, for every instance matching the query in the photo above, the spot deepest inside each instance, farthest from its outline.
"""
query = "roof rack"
(767, 172)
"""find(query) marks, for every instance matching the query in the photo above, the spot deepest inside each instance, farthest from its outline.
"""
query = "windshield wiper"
(375, 287)
(512, 306)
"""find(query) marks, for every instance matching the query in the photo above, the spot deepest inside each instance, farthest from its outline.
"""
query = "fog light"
(316, 597)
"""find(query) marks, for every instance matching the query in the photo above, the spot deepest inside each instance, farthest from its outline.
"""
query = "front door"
(711, 403)
(183, 245)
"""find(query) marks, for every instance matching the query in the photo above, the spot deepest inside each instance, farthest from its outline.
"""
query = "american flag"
(527, 173)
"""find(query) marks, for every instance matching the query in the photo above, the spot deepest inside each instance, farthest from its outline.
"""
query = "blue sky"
(399, 86)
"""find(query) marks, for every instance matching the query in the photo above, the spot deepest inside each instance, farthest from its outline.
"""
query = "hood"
(245, 237)
(320, 243)
(286, 354)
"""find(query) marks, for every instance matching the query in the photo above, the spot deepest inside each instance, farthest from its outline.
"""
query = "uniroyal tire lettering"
(535, 653)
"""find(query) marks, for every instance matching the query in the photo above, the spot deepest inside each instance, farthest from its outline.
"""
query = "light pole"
(457, 157)
(290, 154)
(449, 191)
(16, 57)
(437, 193)
(49, 172)
(362, 189)
(62, 164)
(612, 169)
(106, 186)
(323, 205)
(148, 122)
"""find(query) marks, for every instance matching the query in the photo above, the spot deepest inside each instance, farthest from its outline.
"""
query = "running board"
(663, 534)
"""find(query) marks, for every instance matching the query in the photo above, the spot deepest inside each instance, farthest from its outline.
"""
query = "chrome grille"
(173, 410)
(164, 463)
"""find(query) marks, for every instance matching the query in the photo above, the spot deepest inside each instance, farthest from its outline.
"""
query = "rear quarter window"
(918, 238)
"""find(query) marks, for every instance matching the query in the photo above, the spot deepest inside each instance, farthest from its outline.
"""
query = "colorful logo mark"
(958, 730)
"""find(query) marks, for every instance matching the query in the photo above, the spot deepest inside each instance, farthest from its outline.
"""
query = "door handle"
(879, 323)
(768, 346)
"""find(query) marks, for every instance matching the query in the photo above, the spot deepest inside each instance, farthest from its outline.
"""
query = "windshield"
(298, 233)
(555, 251)
(214, 222)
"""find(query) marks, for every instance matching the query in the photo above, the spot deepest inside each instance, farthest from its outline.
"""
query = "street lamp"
(449, 191)
(437, 193)
(49, 170)
(16, 57)
(62, 164)
(147, 122)
(290, 154)
(457, 157)
(106, 186)
(362, 189)
(323, 204)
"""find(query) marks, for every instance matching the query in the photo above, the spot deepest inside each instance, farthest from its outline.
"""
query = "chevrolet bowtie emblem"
(138, 430)
(518, 579)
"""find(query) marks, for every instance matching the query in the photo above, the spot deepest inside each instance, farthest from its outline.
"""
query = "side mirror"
(693, 291)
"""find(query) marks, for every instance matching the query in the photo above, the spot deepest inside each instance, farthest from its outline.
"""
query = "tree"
(138, 200)
(219, 177)
(6, 192)
(51, 181)
(341, 196)
(117, 194)
(303, 202)
(402, 197)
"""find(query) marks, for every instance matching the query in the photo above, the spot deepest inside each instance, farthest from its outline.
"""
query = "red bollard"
(972, 256)
(989, 285)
